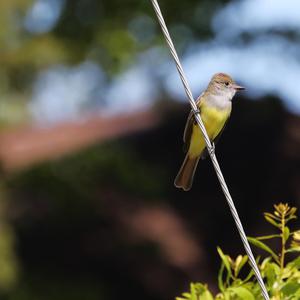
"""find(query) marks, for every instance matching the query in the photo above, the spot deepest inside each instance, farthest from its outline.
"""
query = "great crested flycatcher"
(214, 106)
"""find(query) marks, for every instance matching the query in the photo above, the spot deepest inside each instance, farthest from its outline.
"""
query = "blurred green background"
(91, 120)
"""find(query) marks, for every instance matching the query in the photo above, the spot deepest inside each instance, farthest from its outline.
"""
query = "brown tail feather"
(184, 178)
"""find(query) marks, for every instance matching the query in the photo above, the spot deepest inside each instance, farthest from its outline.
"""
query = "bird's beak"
(238, 87)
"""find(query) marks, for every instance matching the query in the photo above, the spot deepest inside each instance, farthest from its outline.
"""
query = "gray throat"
(220, 101)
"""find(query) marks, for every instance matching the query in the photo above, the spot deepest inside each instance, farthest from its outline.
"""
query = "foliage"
(8, 259)
(109, 33)
(282, 278)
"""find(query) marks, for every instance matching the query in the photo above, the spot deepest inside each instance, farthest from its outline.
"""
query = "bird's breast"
(214, 119)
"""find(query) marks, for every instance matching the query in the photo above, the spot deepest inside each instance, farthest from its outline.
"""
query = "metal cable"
(211, 151)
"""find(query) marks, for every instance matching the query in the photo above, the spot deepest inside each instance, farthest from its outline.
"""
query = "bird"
(214, 106)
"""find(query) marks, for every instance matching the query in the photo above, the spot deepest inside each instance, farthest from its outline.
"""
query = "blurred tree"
(35, 35)
(67, 214)
(8, 261)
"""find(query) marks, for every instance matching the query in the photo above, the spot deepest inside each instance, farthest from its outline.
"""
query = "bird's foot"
(197, 112)
(212, 149)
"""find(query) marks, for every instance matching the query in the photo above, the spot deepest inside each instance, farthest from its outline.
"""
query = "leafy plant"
(282, 278)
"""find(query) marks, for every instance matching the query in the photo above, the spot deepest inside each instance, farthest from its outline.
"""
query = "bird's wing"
(215, 140)
(188, 131)
(189, 126)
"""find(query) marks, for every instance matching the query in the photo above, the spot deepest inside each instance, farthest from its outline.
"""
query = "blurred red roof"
(22, 147)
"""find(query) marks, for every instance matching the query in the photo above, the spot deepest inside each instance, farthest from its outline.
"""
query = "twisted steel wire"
(210, 150)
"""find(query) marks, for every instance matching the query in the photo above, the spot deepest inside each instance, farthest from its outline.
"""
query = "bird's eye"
(227, 83)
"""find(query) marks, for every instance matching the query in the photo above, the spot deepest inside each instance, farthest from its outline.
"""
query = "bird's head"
(223, 84)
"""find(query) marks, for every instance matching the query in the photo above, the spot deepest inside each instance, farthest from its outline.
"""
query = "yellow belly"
(214, 120)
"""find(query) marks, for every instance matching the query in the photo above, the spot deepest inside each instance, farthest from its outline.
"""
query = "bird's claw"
(197, 112)
(212, 149)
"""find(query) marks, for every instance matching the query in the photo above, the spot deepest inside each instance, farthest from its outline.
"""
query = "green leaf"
(267, 237)
(292, 211)
(248, 277)
(225, 260)
(290, 218)
(242, 293)
(197, 291)
(263, 246)
(265, 262)
(227, 295)
(240, 265)
(271, 216)
(193, 292)
(220, 278)
(296, 249)
(293, 249)
(206, 295)
(297, 295)
(290, 288)
(294, 264)
(270, 220)
(286, 234)
(271, 272)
